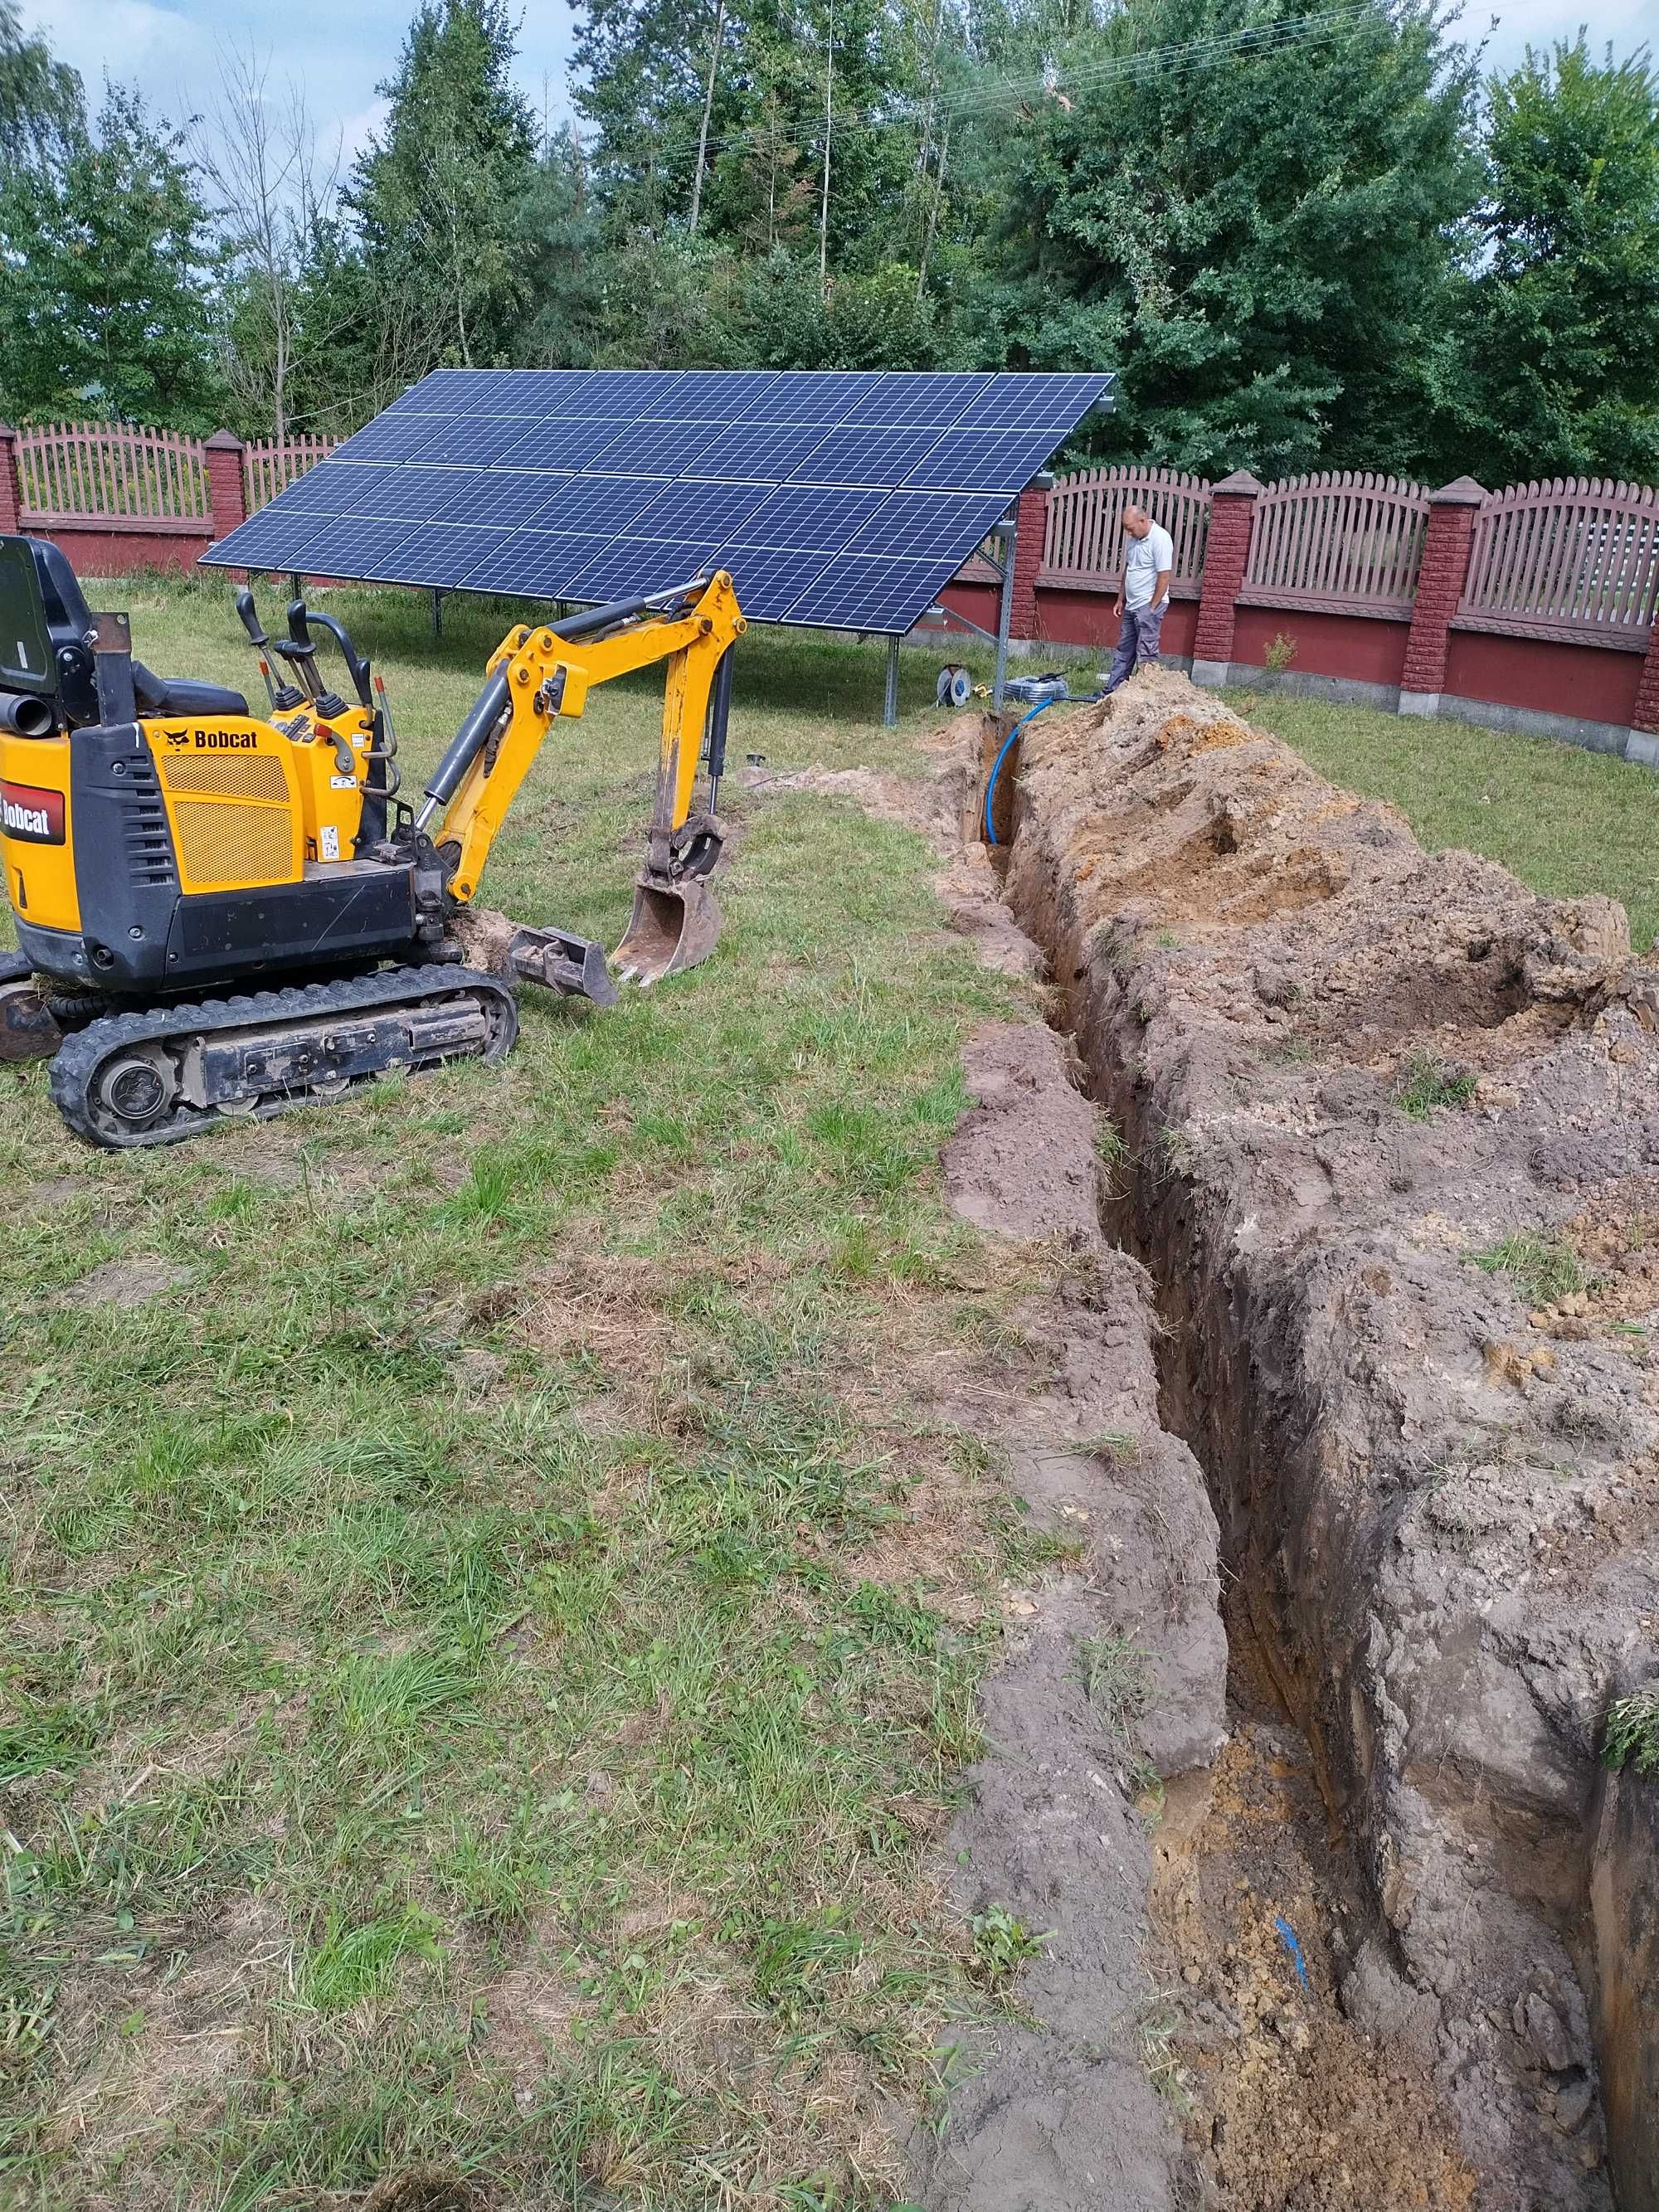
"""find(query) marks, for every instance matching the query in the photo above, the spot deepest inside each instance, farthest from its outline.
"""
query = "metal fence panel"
(1083, 542)
(111, 471)
(1341, 541)
(1573, 558)
(269, 465)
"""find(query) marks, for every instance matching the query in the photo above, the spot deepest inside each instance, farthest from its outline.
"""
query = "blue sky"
(340, 49)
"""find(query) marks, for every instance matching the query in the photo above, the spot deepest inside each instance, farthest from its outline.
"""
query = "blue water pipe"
(996, 770)
(1295, 1949)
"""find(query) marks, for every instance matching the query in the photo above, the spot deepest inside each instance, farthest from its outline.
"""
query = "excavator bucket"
(674, 926)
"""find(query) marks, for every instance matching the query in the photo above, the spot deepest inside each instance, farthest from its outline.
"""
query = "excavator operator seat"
(69, 622)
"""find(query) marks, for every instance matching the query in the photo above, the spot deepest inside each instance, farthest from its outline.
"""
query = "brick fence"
(1532, 607)
(120, 499)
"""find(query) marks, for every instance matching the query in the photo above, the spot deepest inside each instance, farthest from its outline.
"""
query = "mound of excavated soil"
(1365, 1093)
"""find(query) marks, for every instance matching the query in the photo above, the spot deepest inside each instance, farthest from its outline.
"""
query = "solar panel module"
(839, 499)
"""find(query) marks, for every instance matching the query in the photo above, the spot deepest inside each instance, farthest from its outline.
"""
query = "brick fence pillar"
(1440, 584)
(1226, 556)
(1031, 525)
(1644, 742)
(1646, 715)
(227, 492)
(11, 484)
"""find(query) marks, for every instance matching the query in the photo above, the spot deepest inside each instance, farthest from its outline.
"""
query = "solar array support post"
(890, 703)
(1008, 534)
(437, 614)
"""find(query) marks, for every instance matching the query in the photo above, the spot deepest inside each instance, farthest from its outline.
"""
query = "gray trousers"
(1137, 640)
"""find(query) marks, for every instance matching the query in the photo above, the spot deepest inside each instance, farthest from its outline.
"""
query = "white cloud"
(127, 38)
(170, 49)
(356, 130)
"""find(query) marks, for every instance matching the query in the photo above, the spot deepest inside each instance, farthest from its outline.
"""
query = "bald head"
(1137, 521)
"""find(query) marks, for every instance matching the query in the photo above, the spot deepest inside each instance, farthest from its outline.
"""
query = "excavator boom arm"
(538, 676)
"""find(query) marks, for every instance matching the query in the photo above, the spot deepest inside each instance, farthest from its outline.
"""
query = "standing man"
(1143, 599)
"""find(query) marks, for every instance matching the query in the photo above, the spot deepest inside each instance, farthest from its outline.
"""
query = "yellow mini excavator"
(222, 914)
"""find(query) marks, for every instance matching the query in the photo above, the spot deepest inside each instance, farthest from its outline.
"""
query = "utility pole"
(707, 109)
(829, 111)
(932, 214)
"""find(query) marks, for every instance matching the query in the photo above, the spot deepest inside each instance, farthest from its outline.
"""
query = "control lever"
(300, 650)
(381, 775)
(386, 752)
(283, 697)
(356, 665)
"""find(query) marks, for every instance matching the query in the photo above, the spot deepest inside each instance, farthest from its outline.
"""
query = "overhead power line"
(990, 94)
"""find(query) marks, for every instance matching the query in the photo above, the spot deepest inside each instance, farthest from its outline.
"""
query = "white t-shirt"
(1145, 561)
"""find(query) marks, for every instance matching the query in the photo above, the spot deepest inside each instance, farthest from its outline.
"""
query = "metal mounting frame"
(1007, 535)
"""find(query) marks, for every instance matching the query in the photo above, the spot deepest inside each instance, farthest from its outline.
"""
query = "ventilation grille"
(145, 828)
(225, 844)
(254, 777)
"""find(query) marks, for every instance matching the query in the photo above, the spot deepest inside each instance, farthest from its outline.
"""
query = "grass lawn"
(1564, 820)
(490, 1622)
(493, 1592)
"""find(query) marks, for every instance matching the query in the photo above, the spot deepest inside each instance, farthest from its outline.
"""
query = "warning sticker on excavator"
(330, 843)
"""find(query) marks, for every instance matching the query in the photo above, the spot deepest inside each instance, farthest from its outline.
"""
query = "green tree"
(562, 254)
(436, 196)
(108, 299)
(1259, 241)
(807, 79)
(1557, 368)
(784, 319)
(732, 120)
(42, 106)
(641, 83)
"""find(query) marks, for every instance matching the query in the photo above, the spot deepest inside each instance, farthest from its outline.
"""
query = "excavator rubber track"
(169, 1072)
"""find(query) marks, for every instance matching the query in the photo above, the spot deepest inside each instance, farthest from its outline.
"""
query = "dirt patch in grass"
(126, 1285)
(149, 2041)
(606, 1308)
(1057, 2104)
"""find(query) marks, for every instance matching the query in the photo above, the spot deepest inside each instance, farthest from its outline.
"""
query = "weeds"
(1115, 1444)
(1280, 653)
(1112, 1150)
(1291, 1047)
(1117, 1675)
(1425, 1084)
(350, 1963)
(1002, 1944)
(1630, 1737)
(1542, 1268)
(952, 2070)
(1177, 1151)
(1111, 1147)
(1160, 2027)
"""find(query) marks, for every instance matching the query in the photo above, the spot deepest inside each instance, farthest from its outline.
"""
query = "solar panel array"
(839, 499)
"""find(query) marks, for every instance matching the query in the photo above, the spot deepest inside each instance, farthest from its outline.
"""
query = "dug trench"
(1367, 1165)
